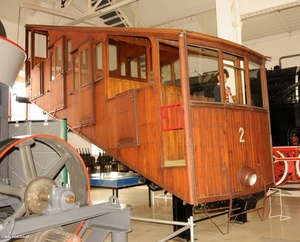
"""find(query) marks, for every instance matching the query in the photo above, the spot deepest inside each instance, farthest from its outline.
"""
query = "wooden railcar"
(128, 91)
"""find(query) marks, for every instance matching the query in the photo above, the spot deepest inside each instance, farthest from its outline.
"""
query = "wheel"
(30, 166)
(280, 169)
(297, 164)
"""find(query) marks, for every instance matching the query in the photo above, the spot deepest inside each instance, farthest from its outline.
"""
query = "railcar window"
(255, 83)
(128, 60)
(40, 47)
(113, 59)
(169, 64)
(84, 70)
(177, 73)
(203, 71)
(52, 66)
(134, 67)
(82, 73)
(98, 62)
(236, 84)
(142, 66)
(56, 61)
(166, 79)
(76, 73)
(203, 66)
(37, 51)
(69, 55)
(138, 67)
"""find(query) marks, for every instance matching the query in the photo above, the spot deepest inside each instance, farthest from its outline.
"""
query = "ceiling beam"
(101, 12)
(283, 23)
(53, 12)
(270, 10)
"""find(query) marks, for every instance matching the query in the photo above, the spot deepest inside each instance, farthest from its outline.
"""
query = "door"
(83, 94)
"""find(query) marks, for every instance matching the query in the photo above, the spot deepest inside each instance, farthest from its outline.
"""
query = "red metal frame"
(286, 164)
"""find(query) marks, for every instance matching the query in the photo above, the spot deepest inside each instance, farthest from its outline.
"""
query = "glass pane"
(143, 67)
(203, 66)
(128, 59)
(255, 82)
(84, 67)
(52, 66)
(98, 67)
(40, 48)
(123, 69)
(177, 73)
(69, 49)
(169, 64)
(235, 91)
(76, 73)
(113, 60)
(58, 56)
(166, 75)
(134, 68)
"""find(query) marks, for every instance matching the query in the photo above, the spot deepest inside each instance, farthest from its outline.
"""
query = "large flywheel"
(31, 166)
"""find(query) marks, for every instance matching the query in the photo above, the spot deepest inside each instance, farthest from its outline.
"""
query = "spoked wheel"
(30, 166)
(297, 164)
(280, 169)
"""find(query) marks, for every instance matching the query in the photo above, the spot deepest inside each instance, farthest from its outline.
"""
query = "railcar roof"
(164, 33)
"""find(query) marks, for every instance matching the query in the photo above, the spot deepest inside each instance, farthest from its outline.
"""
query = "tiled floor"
(269, 230)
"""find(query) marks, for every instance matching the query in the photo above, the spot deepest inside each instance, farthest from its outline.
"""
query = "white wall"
(276, 47)
(80, 143)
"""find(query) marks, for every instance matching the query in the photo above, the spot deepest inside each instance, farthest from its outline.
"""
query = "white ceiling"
(277, 17)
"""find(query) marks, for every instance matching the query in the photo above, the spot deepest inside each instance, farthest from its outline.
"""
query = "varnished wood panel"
(86, 101)
(127, 122)
(57, 93)
(172, 140)
(116, 86)
(36, 79)
(219, 160)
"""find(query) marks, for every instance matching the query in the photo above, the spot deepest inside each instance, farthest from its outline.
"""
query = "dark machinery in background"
(103, 163)
(283, 93)
(283, 89)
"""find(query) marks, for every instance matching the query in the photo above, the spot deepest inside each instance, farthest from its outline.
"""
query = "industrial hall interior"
(149, 120)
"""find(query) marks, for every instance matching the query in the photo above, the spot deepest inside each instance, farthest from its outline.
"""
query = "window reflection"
(98, 63)
(84, 72)
(255, 82)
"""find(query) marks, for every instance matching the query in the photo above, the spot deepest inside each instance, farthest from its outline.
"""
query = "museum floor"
(276, 229)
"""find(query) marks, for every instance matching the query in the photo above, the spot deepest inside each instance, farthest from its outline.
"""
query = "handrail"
(188, 225)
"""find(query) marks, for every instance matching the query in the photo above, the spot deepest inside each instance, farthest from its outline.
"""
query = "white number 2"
(241, 131)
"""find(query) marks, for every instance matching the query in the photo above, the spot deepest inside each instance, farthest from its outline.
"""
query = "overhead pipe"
(283, 23)
(286, 57)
